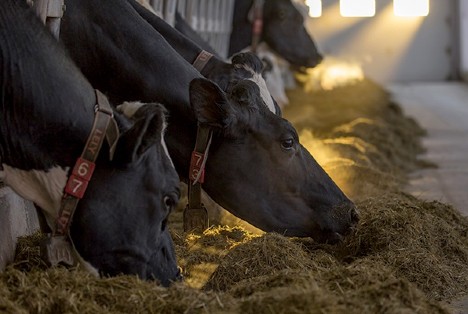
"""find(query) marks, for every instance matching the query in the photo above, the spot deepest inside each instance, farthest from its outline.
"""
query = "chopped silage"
(407, 256)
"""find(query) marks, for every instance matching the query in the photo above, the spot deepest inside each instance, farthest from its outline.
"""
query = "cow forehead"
(257, 78)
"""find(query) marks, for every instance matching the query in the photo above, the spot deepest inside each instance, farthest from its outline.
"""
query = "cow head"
(267, 177)
(120, 226)
(283, 30)
(285, 33)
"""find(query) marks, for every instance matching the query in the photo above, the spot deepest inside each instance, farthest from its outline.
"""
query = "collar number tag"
(78, 181)
(196, 164)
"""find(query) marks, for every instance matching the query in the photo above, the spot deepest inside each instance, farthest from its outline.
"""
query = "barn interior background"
(385, 114)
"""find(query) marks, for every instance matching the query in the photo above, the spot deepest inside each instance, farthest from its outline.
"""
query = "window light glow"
(408, 8)
(357, 8)
(315, 7)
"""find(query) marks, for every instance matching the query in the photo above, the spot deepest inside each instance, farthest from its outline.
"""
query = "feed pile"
(407, 255)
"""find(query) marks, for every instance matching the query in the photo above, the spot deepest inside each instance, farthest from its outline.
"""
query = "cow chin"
(345, 219)
(323, 225)
(126, 262)
(156, 264)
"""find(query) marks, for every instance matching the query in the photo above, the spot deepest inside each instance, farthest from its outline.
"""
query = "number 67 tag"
(78, 181)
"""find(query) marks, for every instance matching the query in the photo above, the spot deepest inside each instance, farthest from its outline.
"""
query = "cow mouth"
(322, 236)
(329, 237)
(333, 237)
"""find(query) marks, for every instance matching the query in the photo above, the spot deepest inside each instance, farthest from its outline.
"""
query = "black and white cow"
(244, 66)
(188, 44)
(283, 30)
(47, 111)
(256, 169)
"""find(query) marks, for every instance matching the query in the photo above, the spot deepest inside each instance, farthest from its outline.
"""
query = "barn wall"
(391, 48)
(463, 11)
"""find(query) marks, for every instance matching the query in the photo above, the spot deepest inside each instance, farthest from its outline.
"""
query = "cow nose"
(353, 220)
(354, 215)
(316, 60)
(179, 276)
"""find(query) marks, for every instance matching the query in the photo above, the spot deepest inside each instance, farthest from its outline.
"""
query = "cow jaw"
(42, 187)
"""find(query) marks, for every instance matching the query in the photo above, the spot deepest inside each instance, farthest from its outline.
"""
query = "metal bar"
(191, 14)
(170, 7)
(181, 6)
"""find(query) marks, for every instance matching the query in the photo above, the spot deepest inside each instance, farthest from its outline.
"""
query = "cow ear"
(210, 103)
(147, 130)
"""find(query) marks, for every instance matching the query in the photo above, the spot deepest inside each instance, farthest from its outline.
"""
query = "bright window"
(411, 7)
(315, 7)
(357, 8)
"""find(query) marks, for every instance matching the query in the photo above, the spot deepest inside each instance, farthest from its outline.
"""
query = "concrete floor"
(442, 109)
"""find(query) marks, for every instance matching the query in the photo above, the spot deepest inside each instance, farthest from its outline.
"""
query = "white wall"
(389, 48)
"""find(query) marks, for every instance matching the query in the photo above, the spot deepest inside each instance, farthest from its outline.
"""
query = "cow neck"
(50, 12)
(256, 16)
(195, 213)
(178, 41)
(191, 50)
(57, 248)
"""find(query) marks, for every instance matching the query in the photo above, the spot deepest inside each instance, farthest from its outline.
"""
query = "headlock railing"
(212, 19)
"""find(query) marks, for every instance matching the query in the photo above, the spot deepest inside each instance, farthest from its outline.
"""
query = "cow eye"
(282, 14)
(169, 202)
(287, 144)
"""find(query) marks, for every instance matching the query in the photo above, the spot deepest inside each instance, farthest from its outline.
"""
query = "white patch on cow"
(129, 109)
(274, 77)
(87, 266)
(44, 188)
(264, 93)
(163, 143)
(266, 96)
(84, 265)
